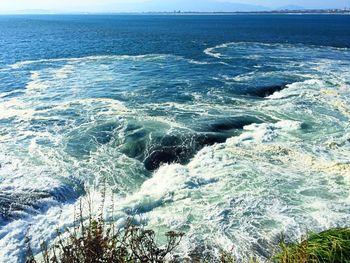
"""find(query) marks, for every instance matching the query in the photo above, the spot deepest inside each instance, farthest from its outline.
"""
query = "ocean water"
(233, 129)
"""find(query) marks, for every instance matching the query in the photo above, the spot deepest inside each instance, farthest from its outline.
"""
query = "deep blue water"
(232, 129)
(36, 37)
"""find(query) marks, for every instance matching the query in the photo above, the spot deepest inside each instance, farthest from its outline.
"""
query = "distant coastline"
(284, 11)
(345, 11)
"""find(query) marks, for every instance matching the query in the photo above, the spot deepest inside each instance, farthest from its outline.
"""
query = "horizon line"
(179, 12)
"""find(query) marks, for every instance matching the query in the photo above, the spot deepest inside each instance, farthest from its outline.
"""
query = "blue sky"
(161, 5)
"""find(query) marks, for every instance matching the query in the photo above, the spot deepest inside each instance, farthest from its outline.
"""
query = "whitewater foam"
(281, 175)
(22, 64)
(36, 83)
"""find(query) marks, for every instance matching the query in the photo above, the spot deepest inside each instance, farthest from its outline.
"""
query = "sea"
(233, 129)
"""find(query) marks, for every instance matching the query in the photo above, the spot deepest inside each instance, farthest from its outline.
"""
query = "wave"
(185, 196)
(21, 64)
(63, 72)
(211, 51)
(294, 88)
(15, 108)
(36, 83)
(266, 132)
(255, 49)
(250, 194)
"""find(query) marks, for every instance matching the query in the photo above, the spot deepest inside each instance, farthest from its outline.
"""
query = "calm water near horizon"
(233, 129)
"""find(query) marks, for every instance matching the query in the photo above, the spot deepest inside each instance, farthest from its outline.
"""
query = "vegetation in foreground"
(97, 242)
(328, 246)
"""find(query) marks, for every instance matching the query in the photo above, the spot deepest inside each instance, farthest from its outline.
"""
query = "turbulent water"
(231, 129)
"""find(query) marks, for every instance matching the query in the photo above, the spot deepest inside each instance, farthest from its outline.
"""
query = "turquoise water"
(232, 129)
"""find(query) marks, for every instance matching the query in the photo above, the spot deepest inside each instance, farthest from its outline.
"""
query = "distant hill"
(187, 6)
(30, 11)
(110, 6)
(291, 7)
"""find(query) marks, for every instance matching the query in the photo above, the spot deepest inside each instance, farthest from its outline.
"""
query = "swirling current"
(233, 147)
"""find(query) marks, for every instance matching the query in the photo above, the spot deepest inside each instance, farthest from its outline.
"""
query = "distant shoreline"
(179, 13)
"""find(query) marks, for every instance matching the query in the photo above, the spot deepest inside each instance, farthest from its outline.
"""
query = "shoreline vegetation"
(93, 240)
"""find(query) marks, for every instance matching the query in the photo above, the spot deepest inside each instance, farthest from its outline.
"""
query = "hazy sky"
(143, 5)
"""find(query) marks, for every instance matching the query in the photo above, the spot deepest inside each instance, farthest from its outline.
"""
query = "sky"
(7, 6)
